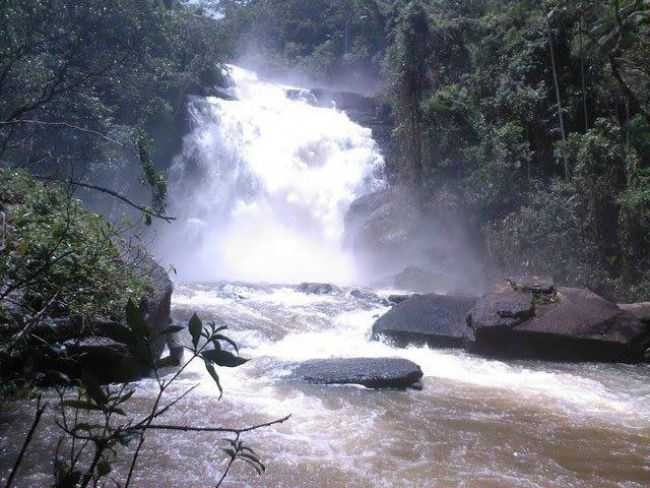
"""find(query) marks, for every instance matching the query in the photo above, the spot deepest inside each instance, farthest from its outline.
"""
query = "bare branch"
(117, 195)
(216, 429)
(40, 409)
(65, 125)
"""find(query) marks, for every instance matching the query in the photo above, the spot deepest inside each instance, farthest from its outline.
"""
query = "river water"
(476, 423)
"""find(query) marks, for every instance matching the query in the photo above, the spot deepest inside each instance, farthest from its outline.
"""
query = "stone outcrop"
(103, 347)
(576, 325)
(369, 372)
(434, 320)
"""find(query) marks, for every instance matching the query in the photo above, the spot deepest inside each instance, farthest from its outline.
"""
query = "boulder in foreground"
(577, 325)
(434, 320)
(369, 372)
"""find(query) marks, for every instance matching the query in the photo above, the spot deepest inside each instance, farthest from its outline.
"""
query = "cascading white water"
(263, 184)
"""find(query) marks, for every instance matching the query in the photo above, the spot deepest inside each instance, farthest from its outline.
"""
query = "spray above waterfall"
(262, 186)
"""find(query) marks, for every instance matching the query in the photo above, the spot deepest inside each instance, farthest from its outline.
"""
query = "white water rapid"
(262, 186)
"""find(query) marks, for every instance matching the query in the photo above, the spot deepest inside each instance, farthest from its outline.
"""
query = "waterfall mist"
(262, 186)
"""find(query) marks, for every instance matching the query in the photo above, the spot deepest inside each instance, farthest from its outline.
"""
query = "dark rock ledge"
(434, 320)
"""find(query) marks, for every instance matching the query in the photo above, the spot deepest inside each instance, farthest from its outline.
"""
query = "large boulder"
(434, 320)
(89, 346)
(369, 372)
(575, 325)
(155, 306)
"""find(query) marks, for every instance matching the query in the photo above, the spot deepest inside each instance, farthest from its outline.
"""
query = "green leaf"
(125, 438)
(195, 326)
(220, 337)
(223, 358)
(167, 362)
(215, 376)
(94, 389)
(103, 468)
(127, 396)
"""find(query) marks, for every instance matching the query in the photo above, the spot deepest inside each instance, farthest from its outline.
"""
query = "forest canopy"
(531, 119)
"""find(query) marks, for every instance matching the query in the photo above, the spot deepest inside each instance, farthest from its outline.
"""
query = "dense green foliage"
(90, 88)
(58, 256)
(325, 39)
(536, 115)
(533, 116)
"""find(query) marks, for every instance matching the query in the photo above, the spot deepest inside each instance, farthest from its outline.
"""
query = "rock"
(368, 296)
(104, 342)
(503, 309)
(434, 320)
(155, 306)
(369, 372)
(109, 361)
(317, 288)
(395, 299)
(542, 288)
(640, 310)
(578, 326)
(418, 279)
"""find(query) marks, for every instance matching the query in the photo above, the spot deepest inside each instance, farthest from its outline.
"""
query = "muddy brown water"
(477, 423)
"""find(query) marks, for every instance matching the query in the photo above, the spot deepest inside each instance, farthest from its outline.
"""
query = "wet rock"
(107, 360)
(577, 326)
(395, 299)
(101, 346)
(640, 310)
(369, 372)
(368, 296)
(503, 309)
(156, 304)
(434, 320)
(542, 288)
(317, 288)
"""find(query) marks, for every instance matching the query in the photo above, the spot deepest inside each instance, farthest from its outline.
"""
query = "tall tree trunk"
(582, 72)
(556, 83)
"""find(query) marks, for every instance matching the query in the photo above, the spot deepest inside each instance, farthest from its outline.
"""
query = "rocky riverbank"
(523, 321)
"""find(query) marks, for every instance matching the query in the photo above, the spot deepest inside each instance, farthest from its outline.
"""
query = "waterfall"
(262, 185)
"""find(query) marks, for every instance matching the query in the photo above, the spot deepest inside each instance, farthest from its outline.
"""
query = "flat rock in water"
(369, 372)
(577, 326)
(434, 320)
